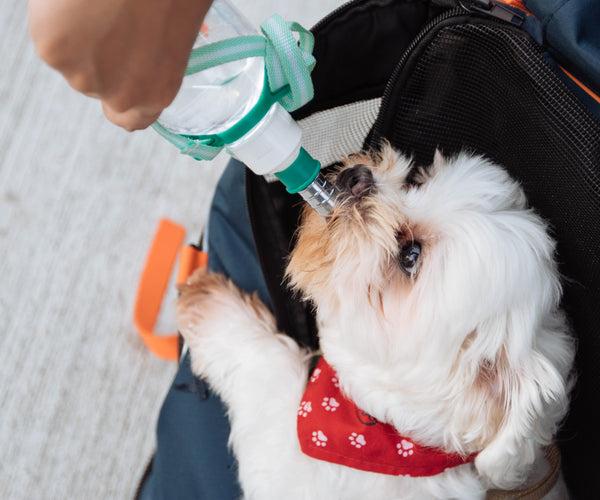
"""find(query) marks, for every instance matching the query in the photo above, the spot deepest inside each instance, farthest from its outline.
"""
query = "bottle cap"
(301, 173)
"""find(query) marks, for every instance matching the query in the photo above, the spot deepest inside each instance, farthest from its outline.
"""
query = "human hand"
(130, 54)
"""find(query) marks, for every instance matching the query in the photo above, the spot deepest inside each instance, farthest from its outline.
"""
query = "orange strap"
(191, 258)
(587, 90)
(516, 3)
(154, 281)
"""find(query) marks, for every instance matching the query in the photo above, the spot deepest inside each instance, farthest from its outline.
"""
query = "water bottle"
(215, 100)
(212, 100)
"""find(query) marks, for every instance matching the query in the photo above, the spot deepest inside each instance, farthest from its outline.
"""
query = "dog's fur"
(469, 352)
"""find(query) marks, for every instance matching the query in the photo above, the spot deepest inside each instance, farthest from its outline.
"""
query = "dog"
(437, 298)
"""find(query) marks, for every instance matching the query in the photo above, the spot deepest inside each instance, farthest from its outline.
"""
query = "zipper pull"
(493, 8)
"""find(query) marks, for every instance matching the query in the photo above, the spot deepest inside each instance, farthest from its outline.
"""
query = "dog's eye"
(410, 258)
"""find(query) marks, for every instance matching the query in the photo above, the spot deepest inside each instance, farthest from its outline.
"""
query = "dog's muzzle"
(356, 181)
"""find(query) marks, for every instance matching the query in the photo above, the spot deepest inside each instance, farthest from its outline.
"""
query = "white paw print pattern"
(405, 448)
(315, 375)
(330, 404)
(335, 382)
(305, 408)
(319, 438)
(357, 440)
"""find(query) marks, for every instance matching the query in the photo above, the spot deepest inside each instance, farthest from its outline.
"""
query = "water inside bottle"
(211, 101)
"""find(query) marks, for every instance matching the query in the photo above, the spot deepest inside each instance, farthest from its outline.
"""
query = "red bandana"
(332, 428)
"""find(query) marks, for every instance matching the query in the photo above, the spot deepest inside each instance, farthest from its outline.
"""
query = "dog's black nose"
(357, 180)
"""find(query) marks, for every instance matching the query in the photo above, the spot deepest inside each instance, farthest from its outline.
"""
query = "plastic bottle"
(214, 100)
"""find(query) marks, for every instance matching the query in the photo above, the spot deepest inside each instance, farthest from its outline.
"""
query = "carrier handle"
(161, 258)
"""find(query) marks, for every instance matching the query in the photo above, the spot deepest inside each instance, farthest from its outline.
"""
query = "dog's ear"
(424, 173)
(527, 388)
(438, 159)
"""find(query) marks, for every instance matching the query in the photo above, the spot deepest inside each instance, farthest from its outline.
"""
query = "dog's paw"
(211, 306)
(504, 465)
(234, 345)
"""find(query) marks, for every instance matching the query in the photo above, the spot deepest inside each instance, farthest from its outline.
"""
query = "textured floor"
(79, 202)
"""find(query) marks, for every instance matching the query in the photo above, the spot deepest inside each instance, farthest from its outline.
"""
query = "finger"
(131, 119)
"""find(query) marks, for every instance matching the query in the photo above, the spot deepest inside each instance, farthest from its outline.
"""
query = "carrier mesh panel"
(487, 87)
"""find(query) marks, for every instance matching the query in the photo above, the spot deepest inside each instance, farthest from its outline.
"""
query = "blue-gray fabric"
(192, 460)
(570, 30)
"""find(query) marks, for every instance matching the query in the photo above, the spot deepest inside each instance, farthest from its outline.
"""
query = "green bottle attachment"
(266, 139)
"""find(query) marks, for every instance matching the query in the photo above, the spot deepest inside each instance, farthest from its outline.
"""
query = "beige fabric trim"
(538, 490)
(332, 134)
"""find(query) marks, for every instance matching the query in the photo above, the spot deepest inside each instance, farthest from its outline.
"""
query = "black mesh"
(487, 87)
(274, 215)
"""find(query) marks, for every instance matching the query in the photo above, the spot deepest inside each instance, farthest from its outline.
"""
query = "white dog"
(447, 356)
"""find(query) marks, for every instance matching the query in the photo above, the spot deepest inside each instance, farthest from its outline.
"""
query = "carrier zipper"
(376, 135)
(464, 7)
(493, 8)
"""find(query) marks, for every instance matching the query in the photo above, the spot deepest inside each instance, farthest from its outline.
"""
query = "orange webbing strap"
(587, 90)
(154, 281)
(516, 3)
(191, 258)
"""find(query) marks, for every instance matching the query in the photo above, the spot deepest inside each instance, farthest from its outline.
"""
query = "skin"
(129, 54)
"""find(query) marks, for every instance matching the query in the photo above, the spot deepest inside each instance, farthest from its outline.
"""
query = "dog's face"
(408, 269)
(442, 284)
